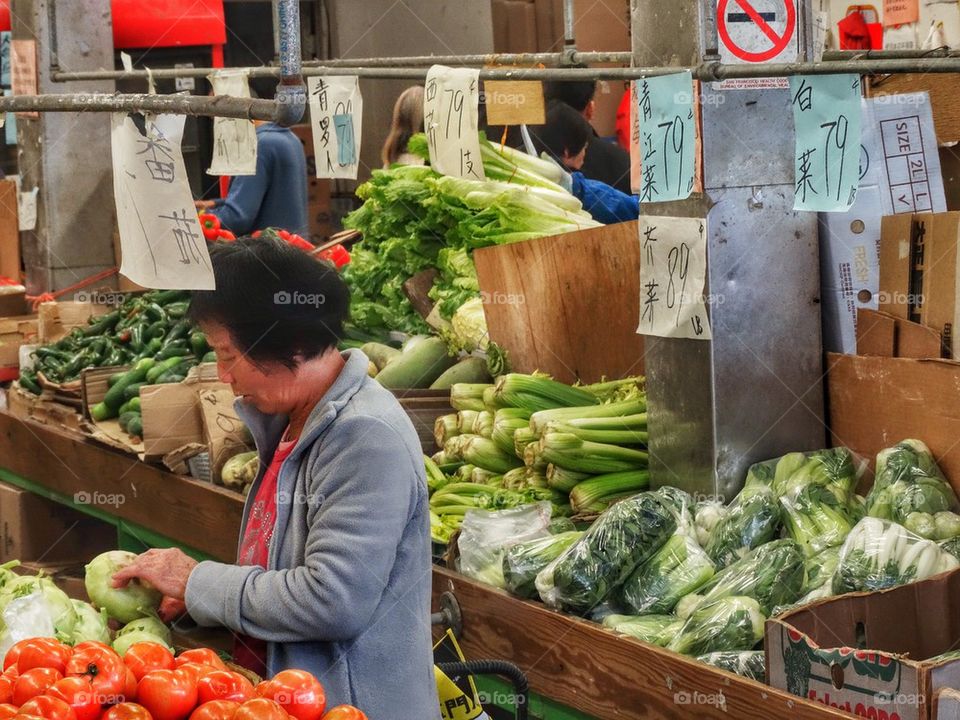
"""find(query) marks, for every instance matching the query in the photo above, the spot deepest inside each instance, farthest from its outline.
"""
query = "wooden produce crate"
(423, 407)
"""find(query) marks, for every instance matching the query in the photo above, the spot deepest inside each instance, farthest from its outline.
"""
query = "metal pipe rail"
(216, 106)
(707, 71)
(546, 58)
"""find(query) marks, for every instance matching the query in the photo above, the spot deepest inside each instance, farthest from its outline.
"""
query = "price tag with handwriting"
(826, 114)
(668, 137)
(673, 267)
(336, 109)
(161, 240)
(234, 139)
(450, 102)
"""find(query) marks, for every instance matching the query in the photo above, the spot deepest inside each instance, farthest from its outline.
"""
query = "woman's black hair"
(566, 131)
(279, 304)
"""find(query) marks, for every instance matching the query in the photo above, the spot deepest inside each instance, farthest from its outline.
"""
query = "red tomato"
(224, 685)
(48, 707)
(168, 694)
(78, 693)
(196, 670)
(32, 683)
(130, 691)
(127, 711)
(102, 667)
(6, 688)
(215, 710)
(11, 672)
(297, 691)
(201, 656)
(142, 657)
(7, 711)
(344, 712)
(260, 709)
(40, 652)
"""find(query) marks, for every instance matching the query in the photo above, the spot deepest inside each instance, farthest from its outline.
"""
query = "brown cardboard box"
(549, 25)
(501, 23)
(521, 26)
(13, 300)
(895, 264)
(45, 410)
(9, 231)
(14, 332)
(318, 190)
(38, 529)
(59, 318)
(875, 402)
(943, 89)
(881, 334)
(870, 653)
(93, 387)
(939, 307)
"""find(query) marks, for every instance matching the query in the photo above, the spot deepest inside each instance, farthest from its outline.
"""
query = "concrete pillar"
(67, 155)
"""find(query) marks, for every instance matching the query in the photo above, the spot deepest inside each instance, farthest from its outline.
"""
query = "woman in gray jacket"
(333, 573)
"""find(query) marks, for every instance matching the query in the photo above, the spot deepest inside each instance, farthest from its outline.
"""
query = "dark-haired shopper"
(333, 574)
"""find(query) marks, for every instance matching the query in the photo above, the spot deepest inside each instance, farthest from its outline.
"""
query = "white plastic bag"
(486, 535)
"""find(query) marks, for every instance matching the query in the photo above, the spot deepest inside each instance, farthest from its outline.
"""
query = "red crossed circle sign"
(778, 42)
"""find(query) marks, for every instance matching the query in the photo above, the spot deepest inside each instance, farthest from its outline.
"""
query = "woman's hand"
(171, 609)
(167, 570)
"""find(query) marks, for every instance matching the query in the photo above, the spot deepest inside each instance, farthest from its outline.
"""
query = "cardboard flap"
(946, 704)
(224, 431)
(876, 333)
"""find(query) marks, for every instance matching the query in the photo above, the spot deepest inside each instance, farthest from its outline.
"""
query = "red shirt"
(255, 549)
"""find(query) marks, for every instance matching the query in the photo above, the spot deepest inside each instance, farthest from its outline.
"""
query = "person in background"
(407, 120)
(566, 138)
(604, 160)
(624, 125)
(333, 569)
(276, 196)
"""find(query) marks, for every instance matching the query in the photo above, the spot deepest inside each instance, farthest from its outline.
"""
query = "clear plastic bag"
(749, 664)
(707, 515)
(678, 568)
(880, 554)
(816, 518)
(834, 468)
(485, 536)
(727, 625)
(773, 575)
(653, 629)
(524, 561)
(751, 520)
(683, 504)
(908, 480)
(623, 537)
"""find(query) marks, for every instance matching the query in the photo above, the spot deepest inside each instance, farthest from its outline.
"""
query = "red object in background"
(158, 23)
(624, 131)
(337, 254)
(861, 29)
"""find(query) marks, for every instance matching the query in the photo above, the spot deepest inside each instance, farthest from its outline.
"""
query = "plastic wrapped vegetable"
(749, 664)
(524, 561)
(623, 537)
(879, 554)
(485, 536)
(678, 568)
(833, 468)
(951, 546)
(751, 521)
(820, 568)
(773, 575)
(653, 629)
(908, 481)
(727, 625)
(683, 504)
(707, 514)
(941, 526)
(816, 519)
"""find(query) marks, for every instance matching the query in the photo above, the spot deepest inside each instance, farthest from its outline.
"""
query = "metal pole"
(546, 58)
(711, 42)
(197, 105)
(291, 99)
(834, 55)
(569, 40)
(706, 71)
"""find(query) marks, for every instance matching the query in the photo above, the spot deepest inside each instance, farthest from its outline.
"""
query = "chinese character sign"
(160, 237)
(450, 107)
(673, 267)
(234, 139)
(336, 110)
(826, 114)
(668, 137)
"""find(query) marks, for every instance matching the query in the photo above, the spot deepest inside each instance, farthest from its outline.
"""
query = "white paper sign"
(160, 236)
(27, 209)
(450, 110)
(336, 110)
(234, 139)
(673, 266)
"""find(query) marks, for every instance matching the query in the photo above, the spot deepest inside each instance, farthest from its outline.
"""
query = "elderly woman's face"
(270, 392)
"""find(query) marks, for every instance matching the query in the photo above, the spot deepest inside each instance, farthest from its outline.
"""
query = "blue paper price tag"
(668, 137)
(346, 141)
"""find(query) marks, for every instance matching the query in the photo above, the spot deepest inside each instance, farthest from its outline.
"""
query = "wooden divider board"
(611, 677)
(194, 513)
(567, 305)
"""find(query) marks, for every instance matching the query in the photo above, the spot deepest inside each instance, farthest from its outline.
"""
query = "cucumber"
(125, 419)
(468, 370)
(112, 380)
(210, 357)
(114, 397)
(417, 367)
(134, 405)
(171, 376)
(379, 353)
(162, 367)
(135, 426)
(133, 390)
(125, 408)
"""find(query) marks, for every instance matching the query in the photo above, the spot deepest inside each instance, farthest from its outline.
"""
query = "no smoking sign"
(758, 31)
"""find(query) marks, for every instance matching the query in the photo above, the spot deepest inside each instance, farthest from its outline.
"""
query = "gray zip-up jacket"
(346, 594)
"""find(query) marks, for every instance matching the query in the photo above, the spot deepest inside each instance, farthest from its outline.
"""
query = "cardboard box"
(59, 318)
(9, 231)
(888, 336)
(521, 26)
(875, 402)
(896, 239)
(870, 653)
(318, 190)
(38, 529)
(939, 286)
(501, 33)
(43, 410)
(93, 387)
(14, 332)
(13, 300)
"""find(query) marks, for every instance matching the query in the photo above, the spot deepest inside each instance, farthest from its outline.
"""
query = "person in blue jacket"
(276, 196)
(565, 137)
